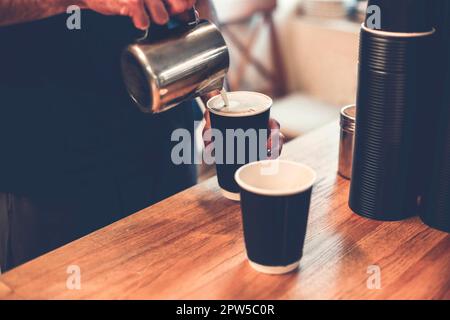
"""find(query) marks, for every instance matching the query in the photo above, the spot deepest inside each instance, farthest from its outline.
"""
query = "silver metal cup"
(347, 141)
(190, 61)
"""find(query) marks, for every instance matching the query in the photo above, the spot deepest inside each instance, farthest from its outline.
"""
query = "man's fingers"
(207, 129)
(276, 139)
(158, 11)
(179, 6)
(190, 4)
(207, 120)
(139, 15)
(141, 11)
(274, 124)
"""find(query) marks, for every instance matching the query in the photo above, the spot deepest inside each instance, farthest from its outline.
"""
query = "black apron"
(73, 147)
(64, 112)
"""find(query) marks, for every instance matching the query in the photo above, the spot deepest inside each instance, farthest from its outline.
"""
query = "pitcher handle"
(190, 18)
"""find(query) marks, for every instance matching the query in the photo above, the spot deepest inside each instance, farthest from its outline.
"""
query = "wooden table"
(191, 246)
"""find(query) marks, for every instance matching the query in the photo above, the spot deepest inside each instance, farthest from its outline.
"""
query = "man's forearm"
(18, 11)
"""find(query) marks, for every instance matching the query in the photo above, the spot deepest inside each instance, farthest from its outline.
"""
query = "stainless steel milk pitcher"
(189, 61)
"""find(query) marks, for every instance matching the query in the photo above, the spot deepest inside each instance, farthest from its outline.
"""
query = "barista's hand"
(274, 142)
(276, 139)
(142, 12)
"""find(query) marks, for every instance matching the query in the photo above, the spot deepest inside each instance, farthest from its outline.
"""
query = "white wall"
(286, 12)
(321, 56)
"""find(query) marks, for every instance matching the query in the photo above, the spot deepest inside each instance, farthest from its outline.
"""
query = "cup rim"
(237, 115)
(266, 192)
(394, 34)
(345, 115)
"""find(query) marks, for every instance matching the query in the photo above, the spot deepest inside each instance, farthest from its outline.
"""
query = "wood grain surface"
(190, 246)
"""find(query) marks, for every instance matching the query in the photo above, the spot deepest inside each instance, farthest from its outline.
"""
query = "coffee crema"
(241, 104)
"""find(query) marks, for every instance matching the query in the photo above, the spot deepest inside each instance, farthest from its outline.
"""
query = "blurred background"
(303, 53)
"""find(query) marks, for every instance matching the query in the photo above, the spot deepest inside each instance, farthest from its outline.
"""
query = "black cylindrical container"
(435, 208)
(403, 15)
(394, 53)
(393, 97)
(244, 135)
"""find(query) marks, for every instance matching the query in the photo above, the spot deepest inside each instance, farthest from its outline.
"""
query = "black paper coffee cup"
(275, 201)
(244, 132)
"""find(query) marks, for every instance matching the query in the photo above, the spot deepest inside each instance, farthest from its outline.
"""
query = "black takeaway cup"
(275, 200)
(239, 135)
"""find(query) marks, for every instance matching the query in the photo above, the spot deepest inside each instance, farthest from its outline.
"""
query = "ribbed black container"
(379, 51)
(394, 92)
(435, 209)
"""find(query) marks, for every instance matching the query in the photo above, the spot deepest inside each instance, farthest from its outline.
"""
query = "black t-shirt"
(65, 115)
